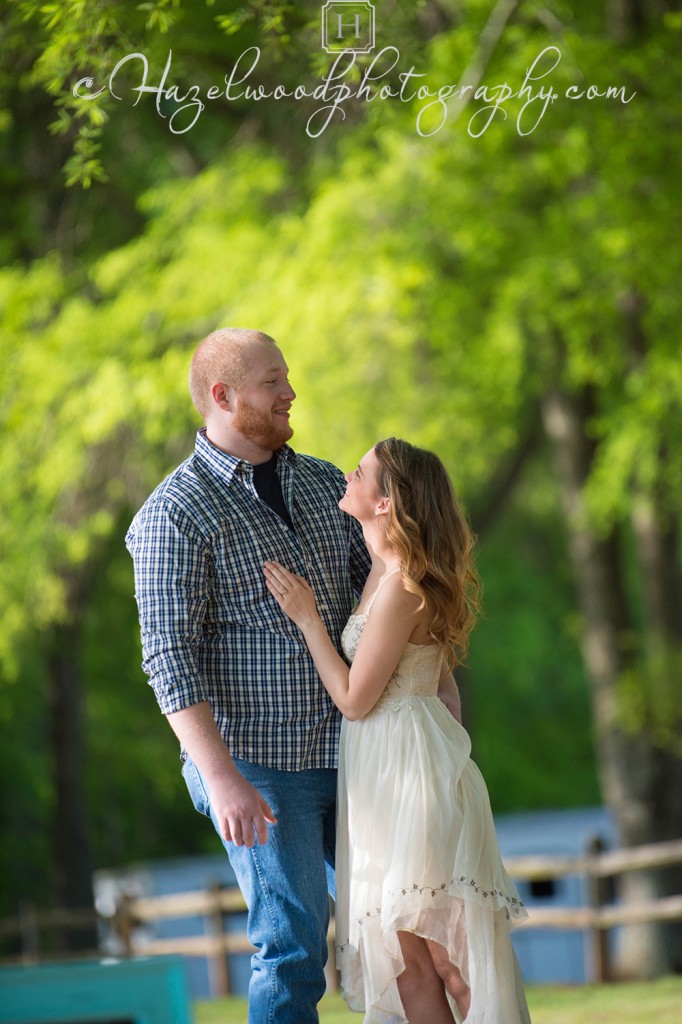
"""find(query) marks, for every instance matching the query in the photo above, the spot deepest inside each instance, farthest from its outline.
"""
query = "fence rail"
(597, 864)
(215, 904)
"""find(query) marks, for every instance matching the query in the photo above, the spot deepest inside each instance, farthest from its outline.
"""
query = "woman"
(423, 902)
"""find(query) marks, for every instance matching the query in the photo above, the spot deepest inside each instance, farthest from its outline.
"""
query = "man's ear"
(223, 395)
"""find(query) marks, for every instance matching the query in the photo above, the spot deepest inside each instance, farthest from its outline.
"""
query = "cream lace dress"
(417, 850)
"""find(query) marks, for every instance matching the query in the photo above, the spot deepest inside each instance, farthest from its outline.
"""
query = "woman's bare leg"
(421, 988)
(450, 975)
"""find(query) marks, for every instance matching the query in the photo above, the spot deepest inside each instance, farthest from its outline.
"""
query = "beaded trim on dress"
(514, 908)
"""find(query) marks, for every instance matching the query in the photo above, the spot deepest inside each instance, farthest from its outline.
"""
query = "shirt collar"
(227, 466)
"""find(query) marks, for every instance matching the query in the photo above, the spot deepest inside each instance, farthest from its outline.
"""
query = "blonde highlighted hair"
(431, 536)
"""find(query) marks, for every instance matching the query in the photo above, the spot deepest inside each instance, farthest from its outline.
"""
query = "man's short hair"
(221, 356)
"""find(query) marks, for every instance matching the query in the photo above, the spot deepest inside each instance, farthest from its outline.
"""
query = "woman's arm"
(354, 690)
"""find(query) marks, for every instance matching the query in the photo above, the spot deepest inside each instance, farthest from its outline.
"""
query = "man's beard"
(259, 428)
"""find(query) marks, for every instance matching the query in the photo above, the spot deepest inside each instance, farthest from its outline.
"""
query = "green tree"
(509, 299)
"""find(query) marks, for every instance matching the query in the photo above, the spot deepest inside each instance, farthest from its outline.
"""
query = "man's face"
(264, 399)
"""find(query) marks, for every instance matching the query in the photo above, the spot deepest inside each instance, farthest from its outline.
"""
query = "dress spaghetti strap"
(371, 600)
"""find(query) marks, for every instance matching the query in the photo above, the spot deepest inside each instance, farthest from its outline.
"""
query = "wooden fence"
(597, 918)
(214, 905)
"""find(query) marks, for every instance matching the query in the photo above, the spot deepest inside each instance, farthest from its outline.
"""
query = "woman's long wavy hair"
(430, 534)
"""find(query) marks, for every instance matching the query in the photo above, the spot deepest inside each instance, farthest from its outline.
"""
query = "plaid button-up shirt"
(210, 628)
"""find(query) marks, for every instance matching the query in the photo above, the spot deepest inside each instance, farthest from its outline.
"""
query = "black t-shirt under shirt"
(267, 485)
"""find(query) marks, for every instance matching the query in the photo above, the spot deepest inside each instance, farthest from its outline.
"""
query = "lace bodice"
(417, 673)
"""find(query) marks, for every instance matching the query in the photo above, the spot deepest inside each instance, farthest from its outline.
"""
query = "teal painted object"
(144, 990)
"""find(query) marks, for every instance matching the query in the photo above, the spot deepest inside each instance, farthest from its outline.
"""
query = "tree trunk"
(626, 18)
(505, 478)
(71, 860)
(656, 535)
(641, 783)
(657, 549)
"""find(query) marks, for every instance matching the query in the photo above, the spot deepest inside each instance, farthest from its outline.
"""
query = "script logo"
(347, 25)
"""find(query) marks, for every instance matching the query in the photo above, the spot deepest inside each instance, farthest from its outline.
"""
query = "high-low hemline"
(417, 851)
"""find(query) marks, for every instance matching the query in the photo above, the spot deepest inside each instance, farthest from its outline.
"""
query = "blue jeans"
(285, 884)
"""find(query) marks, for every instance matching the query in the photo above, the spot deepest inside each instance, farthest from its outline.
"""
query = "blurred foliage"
(525, 688)
(428, 287)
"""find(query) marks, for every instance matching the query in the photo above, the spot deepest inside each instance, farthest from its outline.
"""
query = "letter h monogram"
(340, 25)
(347, 25)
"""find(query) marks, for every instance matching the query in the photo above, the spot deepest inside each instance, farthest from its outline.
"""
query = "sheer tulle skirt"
(417, 851)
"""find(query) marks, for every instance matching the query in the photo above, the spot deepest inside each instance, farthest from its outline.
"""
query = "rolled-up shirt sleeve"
(173, 570)
(211, 630)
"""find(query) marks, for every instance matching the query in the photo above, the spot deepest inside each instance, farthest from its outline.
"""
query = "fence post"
(28, 930)
(597, 938)
(218, 969)
(123, 922)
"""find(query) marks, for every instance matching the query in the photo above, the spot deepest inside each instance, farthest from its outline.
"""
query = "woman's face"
(362, 491)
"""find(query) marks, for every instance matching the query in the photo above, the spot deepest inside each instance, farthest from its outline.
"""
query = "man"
(231, 671)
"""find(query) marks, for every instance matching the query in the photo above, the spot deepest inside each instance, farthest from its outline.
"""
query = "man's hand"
(241, 812)
(448, 692)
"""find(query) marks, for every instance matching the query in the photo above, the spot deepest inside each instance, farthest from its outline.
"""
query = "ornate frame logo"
(348, 25)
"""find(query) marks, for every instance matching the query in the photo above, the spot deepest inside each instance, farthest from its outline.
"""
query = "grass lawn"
(654, 1002)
